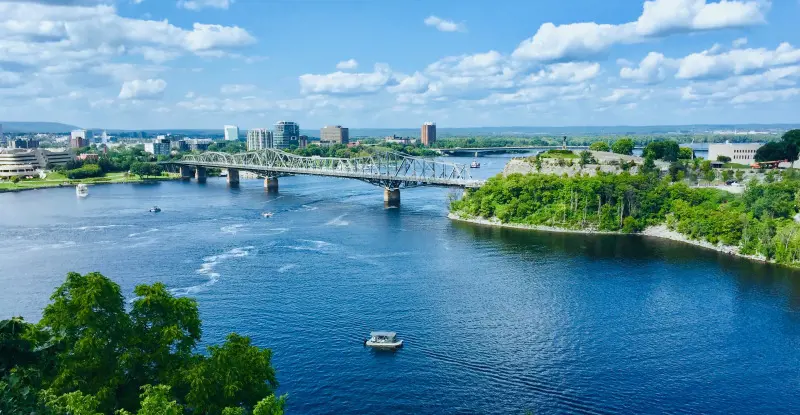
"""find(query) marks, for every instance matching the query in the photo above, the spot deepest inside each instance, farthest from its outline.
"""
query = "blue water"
(495, 321)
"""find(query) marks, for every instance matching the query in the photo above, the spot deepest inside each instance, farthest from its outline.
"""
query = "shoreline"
(658, 231)
(89, 183)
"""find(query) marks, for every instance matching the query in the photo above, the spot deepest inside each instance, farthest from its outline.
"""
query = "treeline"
(119, 159)
(760, 221)
(89, 356)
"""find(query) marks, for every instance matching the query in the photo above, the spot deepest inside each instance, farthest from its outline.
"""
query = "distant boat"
(155, 209)
(383, 340)
(82, 190)
(267, 214)
(475, 165)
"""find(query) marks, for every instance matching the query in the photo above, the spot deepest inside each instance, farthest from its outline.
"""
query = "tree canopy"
(599, 146)
(89, 355)
(623, 146)
(786, 149)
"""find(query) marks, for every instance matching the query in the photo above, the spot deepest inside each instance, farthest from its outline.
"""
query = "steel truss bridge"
(388, 169)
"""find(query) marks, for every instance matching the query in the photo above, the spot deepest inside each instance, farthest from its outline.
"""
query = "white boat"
(383, 340)
(475, 165)
(267, 214)
(155, 209)
(82, 190)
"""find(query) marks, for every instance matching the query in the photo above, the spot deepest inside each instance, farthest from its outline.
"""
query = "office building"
(2, 137)
(303, 141)
(742, 153)
(159, 147)
(287, 134)
(393, 139)
(330, 135)
(180, 145)
(231, 133)
(428, 134)
(28, 162)
(199, 144)
(80, 138)
(23, 143)
(259, 139)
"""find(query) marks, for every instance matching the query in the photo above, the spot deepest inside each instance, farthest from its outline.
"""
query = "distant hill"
(36, 127)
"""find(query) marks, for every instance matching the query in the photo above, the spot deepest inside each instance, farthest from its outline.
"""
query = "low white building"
(741, 153)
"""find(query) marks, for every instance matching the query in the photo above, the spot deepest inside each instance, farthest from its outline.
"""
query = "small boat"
(383, 340)
(267, 214)
(82, 190)
(475, 165)
(155, 209)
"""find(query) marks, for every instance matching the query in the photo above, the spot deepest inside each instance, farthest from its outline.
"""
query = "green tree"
(739, 175)
(709, 176)
(87, 317)
(234, 374)
(73, 403)
(776, 150)
(599, 146)
(724, 159)
(727, 175)
(649, 165)
(685, 153)
(586, 158)
(270, 406)
(623, 146)
(156, 400)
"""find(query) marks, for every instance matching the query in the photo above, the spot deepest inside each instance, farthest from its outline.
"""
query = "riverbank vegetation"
(760, 222)
(91, 355)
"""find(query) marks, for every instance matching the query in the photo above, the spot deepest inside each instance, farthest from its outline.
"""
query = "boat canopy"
(389, 334)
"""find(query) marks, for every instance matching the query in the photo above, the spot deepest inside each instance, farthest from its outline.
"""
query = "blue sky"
(143, 64)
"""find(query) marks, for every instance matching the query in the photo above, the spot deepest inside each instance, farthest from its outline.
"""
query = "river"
(494, 320)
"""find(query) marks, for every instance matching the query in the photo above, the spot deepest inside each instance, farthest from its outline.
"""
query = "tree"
(663, 150)
(709, 176)
(649, 165)
(776, 150)
(599, 146)
(146, 169)
(727, 175)
(792, 136)
(724, 159)
(156, 400)
(685, 153)
(87, 316)
(234, 374)
(739, 175)
(586, 158)
(623, 146)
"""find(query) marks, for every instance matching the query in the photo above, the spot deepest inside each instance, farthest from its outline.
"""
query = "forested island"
(92, 355)
(761, 222)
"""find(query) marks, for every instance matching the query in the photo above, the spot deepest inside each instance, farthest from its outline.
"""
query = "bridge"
(391, 170)
(478, 150)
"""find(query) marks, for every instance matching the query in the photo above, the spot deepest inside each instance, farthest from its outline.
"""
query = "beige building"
(28, 162)
(259, 139)
(741, 153)
(428, 134)
(330, 135)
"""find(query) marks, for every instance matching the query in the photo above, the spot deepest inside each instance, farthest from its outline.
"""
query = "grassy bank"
(59, 180)
(758, 223)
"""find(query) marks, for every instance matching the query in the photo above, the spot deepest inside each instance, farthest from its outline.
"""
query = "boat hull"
(384, 345)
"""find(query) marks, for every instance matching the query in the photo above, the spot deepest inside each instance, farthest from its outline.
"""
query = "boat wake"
(286, 267)
(232, 229)
(310, 245)
(338, 221)
(98, 227)
(133, 235)
(208, 270)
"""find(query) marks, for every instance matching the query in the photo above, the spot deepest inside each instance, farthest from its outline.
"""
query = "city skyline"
(149, 65)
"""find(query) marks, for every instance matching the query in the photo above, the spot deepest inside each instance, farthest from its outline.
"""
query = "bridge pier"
(271, 184)
(391, 197)
(233, 177)
(200, 174)
(186, 173)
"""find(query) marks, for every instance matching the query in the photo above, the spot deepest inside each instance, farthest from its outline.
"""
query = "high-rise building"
(330, 135)
(287, 134)
(159, 147)
(80, 138)
(429, 134)
(23, 143)
(303, 142)
(259, 139)
(2, 137)
(231, 133)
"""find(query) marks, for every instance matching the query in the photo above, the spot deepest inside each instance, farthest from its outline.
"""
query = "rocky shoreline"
(659, 231)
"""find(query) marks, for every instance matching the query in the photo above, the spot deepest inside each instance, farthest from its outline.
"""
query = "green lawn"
(735, 166)
(56, 179)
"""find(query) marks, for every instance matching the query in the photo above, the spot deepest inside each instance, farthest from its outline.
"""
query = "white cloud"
(346, 82)
(231, 89)
(444, 25)
(766, 96)
(578, 41)
(9, 79)
(564, 73)
(624, 95)
(652, 69)
(348, 64)
(708, 64)
(142, 89)
(203, 4)
(738, 43)
(409, 84)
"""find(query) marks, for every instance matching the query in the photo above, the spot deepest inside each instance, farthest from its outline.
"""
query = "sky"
(156, 64)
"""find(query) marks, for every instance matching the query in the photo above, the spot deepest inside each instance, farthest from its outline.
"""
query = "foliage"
(685, 153)
(786, 149)
(662, 150)
(88, 170)
(586, 158)
(146, 169)
(88, 356)
(724, 159)
(623, 146)
(599, 146)
(759, 221)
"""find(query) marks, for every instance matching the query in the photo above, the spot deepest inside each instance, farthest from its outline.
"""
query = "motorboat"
(475, 165)
(267, 214)
(155, 209)
(82, 190)
(383, 340)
